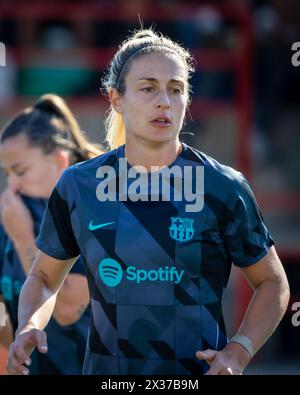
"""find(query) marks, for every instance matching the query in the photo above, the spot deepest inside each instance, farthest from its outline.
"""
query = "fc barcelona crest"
(181, 229)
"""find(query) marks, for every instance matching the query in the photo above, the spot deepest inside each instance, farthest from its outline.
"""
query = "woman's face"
(28, 169)
(155, 99)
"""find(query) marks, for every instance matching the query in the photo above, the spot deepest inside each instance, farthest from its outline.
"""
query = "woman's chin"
(154, 137)
(161, 136)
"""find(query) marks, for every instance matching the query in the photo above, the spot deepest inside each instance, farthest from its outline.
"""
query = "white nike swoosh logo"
(94, 227)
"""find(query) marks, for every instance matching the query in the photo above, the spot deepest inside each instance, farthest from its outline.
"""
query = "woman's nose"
(163, 100)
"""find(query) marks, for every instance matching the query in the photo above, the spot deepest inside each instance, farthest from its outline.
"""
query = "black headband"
(139, 50)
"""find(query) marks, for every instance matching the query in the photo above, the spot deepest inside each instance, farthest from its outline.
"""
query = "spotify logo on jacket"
(111, 273)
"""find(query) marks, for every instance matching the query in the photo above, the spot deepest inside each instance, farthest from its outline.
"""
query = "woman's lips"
(161, 122)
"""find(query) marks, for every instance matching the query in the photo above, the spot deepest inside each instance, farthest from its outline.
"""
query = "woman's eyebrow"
(147, 79)
(13, 167)
(150, 79)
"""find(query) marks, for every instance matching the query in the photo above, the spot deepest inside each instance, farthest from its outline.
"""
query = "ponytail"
(56, 105)
(115, 129)
(50, 124)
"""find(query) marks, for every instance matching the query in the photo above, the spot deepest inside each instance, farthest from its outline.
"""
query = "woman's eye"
(147, 89)
(177, 91)
(20, 173)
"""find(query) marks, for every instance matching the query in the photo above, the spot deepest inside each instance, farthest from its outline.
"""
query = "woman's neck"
(155, 154)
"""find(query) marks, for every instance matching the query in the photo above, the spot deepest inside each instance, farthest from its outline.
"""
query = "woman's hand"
(15, 217)
(232, 360)
(22, 347)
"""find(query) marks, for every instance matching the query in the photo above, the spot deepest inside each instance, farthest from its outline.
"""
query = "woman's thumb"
(206, 355)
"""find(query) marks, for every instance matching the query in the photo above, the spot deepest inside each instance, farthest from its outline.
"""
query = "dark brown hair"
(50, 124)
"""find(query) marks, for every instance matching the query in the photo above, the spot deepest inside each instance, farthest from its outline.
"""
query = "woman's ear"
(115, 100)
(62, 159)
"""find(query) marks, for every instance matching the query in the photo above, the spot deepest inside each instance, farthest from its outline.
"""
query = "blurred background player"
(36, 146)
